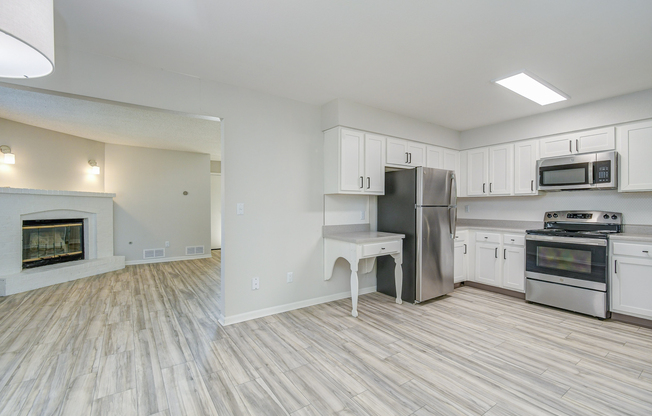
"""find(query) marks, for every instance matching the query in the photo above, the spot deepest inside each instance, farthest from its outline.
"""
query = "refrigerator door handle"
(452, 226)
(453, 191)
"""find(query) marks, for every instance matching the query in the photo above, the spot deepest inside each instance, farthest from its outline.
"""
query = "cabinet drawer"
(487, 237)
(514, 239)
(375, 249)
(634, 250)
(461, 236)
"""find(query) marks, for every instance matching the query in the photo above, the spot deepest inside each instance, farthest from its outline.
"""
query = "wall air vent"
(153, 253)
(194, 250)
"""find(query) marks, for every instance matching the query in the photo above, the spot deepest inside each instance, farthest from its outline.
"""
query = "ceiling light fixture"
(533, 89)
(95, 170)
(26, 38)
(9, 158)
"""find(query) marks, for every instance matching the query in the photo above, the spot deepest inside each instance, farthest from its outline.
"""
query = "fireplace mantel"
(19, 204)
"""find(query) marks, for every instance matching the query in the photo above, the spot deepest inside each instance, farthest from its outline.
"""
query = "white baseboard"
(289, 307)
(166, 259)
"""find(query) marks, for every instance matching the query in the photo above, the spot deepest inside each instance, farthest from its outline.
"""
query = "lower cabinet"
(514, 268)
(461, 253)
(498, 260)
(631, 279)
(487, 264)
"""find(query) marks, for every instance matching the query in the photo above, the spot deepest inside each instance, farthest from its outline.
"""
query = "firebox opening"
(52, 241)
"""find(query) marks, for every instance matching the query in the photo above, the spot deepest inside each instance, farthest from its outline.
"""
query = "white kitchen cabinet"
(434, 157)
(487, 262)
(596, 140)
(353, 162)
(525, 167)
(461, 252)
(631, 278)
(634, 143)
(514, 262)
(405, 153)
(501, 165)
(441, 158)
(477, 171)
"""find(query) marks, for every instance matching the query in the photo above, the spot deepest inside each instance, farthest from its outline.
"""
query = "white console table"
(363, 247)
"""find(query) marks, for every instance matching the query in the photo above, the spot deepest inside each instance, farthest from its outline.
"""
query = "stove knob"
(614, 217)
(555, 215)
(549, 215)
(605, 216)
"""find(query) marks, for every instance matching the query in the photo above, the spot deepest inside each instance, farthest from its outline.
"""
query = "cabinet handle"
(410, 157)
(361, 182)
(496, 254)
(407, 158)
(464, 248)
(616, 266)
(645, 251)
(368, 182)
(490, 186)
(532, 185)
(505, 253)
(483, 186)
(577, 145)
(570, 146)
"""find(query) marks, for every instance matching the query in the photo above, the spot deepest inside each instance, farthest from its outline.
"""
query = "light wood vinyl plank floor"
(146, 341)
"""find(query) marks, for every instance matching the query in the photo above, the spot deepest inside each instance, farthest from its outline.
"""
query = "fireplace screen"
(52, 241)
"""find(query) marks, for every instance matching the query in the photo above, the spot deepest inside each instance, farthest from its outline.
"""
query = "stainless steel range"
(567, 261)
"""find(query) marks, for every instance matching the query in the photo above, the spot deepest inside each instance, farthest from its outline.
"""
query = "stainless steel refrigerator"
(422, 204)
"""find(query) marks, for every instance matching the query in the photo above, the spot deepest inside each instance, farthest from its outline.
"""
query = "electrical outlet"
(167, 244)
(240, 208)
(255, 283)
(290, 277)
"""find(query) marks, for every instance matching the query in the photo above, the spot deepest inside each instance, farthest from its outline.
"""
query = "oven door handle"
(568, 240)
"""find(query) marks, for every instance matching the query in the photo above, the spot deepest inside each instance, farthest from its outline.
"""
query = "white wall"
(150, 208)
(216, 210)
(621, 109)
(349, 114)
(49, 160)
(272, 153)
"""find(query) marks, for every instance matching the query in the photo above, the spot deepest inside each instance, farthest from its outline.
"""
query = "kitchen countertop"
(495, 229)
(647, 238)
(361, 237)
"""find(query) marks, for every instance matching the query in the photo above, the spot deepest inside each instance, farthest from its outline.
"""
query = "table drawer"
(375, 249)
(514, 239)
(487, 237)
(631, 249)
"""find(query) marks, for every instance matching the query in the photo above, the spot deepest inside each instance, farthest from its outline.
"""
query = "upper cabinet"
(525, 167)
(353, 162)
(442, 158)
(635, 152)
(490, 171)
(405, 153)
(597, 140)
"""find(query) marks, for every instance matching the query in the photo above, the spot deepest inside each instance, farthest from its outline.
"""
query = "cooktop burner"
(585, 224)
(567, 233)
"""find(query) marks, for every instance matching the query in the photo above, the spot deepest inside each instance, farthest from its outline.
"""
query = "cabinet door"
(477, 171)
(501, 173)
(525, 168)
(351, 160)
(459, 265)
(417, 154)
(374, 167)
(599, 140)
(452, 162)
(556, 146)
(514, 268)
(435, 157)
(635, 152)
(397, 151)
(631, 285)
(486, 264)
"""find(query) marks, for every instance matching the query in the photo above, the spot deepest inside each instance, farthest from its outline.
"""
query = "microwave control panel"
(602, 171)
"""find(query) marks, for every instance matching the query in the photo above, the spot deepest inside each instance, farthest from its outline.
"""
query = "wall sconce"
(10, 158)
(95, 169)
(26, 38)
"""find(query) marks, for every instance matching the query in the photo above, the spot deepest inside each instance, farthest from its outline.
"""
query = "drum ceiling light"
(26, 38)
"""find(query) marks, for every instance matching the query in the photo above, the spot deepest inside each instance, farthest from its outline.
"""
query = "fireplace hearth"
(52, 241)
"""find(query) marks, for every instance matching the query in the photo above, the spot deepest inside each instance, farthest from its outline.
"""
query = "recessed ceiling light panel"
(532, 89)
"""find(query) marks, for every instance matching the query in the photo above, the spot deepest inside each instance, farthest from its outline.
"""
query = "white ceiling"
(111, 122)
(430, 59)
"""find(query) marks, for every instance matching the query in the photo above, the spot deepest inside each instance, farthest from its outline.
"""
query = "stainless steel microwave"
(583, 171)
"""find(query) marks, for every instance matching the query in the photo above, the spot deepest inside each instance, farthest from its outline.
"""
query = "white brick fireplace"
(18, 205)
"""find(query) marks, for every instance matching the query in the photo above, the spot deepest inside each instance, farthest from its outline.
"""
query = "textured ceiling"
(433, 60)
(111, 122)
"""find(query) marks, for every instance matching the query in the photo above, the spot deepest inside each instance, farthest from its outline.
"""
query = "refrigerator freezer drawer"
(375, 249)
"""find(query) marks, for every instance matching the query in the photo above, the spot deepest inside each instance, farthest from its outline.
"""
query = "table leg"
(354, 291)
(398, 276)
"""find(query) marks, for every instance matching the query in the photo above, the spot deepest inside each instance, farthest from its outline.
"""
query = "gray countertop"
(646, 238)
(362, 237)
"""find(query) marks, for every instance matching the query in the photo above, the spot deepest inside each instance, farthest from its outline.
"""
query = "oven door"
(573, 261)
